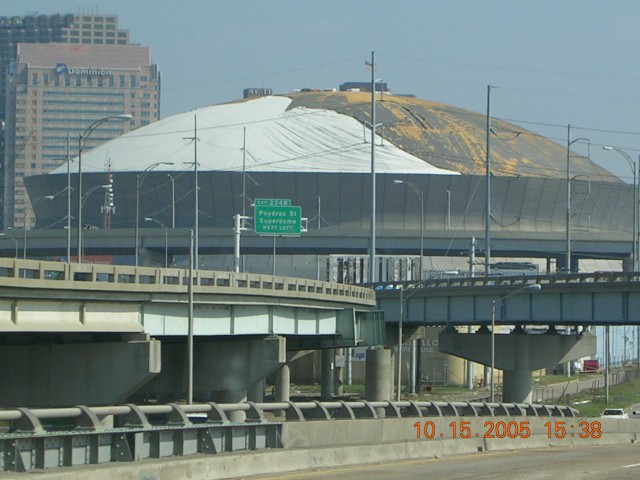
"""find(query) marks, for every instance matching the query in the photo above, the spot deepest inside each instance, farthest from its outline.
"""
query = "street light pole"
(635, 245)
(68, 226)
(173, 201)
(372, 253)
(534, 287)
(570, 142)
(82, 139)
(139, 179)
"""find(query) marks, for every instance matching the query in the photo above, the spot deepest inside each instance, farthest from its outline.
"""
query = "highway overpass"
(96, 334)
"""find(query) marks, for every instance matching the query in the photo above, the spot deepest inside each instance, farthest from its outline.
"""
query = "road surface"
(619, 462)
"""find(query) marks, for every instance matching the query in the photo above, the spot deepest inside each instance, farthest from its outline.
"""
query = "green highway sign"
(271, 202)
(277, 220)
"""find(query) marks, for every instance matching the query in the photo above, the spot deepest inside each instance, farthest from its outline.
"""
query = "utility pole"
(372, 253)
(487, 220)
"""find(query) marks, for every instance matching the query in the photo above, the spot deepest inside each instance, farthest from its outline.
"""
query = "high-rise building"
(80, 29)
(56, 91)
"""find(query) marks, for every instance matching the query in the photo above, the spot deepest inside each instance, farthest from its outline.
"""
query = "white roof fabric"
(277, 140)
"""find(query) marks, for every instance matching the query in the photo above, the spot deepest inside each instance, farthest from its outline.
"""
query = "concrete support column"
(283, 387)
(283, 384)
(378, 377)
(392, 374)
(326, 375)
(517, 354)
(338, 372)
(233, 396)
(518, 382)
(233, 364)
(413, 368)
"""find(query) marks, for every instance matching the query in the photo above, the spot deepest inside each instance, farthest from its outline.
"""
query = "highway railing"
(80, 435)
(513, 280)
(46, 274)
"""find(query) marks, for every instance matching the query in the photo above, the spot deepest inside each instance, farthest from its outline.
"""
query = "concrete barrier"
(323, 444)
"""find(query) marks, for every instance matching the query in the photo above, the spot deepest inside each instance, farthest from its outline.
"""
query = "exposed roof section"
(84, 56)
(452, 138)
(279, 138)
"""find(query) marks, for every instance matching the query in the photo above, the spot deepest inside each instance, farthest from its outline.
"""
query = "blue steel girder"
(585, 299)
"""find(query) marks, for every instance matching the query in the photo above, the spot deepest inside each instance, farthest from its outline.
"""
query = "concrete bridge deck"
(99, 334)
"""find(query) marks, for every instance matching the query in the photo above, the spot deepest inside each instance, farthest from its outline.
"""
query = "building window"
(133, 81)
(34, 79)
(45, 78)
(122, 81)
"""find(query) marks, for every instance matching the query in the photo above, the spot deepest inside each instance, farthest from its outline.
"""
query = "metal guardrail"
(171, 280)
(515, 280)
(158, 431)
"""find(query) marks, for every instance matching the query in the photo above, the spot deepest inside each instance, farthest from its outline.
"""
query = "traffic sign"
(277, 220)
(272, 202)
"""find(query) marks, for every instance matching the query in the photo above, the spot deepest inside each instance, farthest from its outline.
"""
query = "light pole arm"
(139, 179)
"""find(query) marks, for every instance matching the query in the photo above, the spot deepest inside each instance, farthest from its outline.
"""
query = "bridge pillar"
(282, 387)
(224, 370)
(63, 374)
(326, 374)
(378, 378)
(517, 354)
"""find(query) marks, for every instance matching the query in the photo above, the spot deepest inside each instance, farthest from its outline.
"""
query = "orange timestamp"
(513, 429)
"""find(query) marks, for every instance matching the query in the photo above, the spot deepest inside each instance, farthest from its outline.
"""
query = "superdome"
(314, 149)
(329, 132)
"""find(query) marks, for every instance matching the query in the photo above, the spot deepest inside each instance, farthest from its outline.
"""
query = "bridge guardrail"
(107, 277)
(512, 280)
(158, 431)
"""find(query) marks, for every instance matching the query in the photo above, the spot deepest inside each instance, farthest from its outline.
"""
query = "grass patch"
(551, 379)
(624, 395)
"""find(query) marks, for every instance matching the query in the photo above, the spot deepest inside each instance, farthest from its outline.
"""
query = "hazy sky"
(553, 62)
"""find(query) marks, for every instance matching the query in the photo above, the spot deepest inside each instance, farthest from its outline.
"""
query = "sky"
(551, 63)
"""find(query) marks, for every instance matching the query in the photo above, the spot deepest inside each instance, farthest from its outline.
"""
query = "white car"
(614, 413)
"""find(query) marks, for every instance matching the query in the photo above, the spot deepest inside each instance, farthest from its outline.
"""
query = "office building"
(56, 91)
(69, 28)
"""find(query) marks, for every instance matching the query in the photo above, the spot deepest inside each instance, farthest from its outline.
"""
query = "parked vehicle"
(614, 413)
(591, 366)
